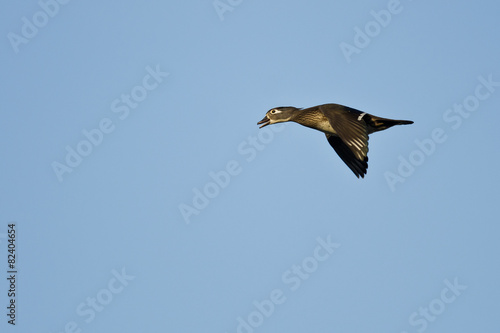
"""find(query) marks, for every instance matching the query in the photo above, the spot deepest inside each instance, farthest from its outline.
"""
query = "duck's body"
(346, 129)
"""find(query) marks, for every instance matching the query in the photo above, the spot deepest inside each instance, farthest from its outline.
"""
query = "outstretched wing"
(358, 166)
(352, 141)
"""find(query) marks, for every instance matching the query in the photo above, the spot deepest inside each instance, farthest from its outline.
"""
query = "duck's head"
(278, 115)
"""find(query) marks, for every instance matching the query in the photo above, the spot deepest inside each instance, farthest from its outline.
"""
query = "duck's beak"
(265, 121)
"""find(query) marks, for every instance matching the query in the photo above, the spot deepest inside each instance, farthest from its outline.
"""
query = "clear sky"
(146, 199)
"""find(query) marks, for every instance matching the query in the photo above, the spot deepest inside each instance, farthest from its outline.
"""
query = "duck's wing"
(359, 167)
(351, 142)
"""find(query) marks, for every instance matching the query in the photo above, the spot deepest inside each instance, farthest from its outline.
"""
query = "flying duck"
(346, 129)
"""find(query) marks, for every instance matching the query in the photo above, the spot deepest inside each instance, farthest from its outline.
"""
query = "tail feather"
(380, 124)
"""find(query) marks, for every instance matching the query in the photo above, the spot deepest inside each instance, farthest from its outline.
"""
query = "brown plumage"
(346, 129)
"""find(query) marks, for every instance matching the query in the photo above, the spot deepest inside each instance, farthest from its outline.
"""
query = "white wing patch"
(356, 143)
(361, 116)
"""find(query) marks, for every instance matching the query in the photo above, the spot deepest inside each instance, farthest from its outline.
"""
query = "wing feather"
(359, 167)
(351, 141)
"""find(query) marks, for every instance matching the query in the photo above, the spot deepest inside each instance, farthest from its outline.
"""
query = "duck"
(346, 129)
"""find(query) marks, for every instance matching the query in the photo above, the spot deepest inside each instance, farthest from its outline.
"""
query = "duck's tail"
(376, 124)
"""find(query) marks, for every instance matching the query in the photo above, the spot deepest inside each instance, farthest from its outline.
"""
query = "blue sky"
(146, 198)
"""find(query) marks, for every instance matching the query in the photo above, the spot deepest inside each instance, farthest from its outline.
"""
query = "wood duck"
(346, 129)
